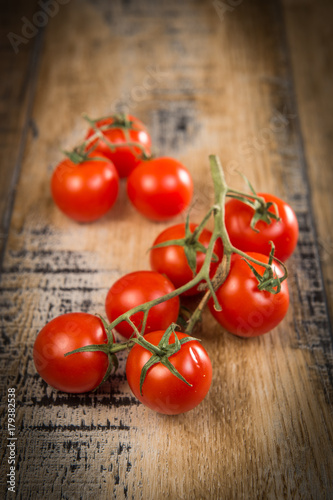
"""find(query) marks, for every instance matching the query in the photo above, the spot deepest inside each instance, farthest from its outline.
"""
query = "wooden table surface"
(250, 81)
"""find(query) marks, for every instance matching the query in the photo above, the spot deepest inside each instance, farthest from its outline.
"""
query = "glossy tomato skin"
(160, 188)
(125, 158)
(162, 391)
(86, 191)
(172, 262)
(284, 233)
(79, 372)
(135, 289)
(247, 311)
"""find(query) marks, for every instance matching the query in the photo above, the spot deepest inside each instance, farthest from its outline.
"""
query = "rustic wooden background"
(250, 81)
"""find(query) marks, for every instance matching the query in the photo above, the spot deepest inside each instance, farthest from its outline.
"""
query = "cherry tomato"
(79, 372)
(246, 310)
(283, 233)
(135, 289)
(172, 262)
(85, 191)
(160, 188)
(162, 391)
(124, 157)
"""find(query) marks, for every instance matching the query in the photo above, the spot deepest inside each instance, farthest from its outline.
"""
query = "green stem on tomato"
(202, 224)
(220, 191)
(252, 259)
(98, 134)
(242, 194)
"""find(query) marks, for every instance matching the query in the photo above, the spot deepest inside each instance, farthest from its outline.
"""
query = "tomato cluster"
(167, 370)
(85, 185)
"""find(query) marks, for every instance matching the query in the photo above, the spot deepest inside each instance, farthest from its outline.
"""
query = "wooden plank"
(310, 36)
(221, 85)
(19, 59)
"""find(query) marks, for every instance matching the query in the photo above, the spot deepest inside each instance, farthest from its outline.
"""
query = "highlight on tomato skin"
(246, 310)
(283, 233)
(171, 260)
(160, 188)
(79, 372)
(125, 158)
(136, 288)
(85, 191)
(162, 391)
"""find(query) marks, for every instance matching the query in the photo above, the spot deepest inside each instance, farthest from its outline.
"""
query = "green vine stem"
(266, 282)
(245, 197)
(82, 152)
(122, 123)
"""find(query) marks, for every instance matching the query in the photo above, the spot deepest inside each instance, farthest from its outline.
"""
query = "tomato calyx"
(262, 212)
(260, 206)
(162, 352)
(79, 155)
(269, 281)
(190, 242)
(119, 120)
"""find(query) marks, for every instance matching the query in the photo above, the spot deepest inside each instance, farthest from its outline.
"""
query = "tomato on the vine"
(85, 191)
(171, 260)
(79, 372)
(136, 288)
(246, 310)
(283, 233)
(123, 129)
(162, 391)
(160, 188)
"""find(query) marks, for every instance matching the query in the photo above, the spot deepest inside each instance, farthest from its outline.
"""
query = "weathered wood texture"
(19, 64)
(204, 80)
(310, 36)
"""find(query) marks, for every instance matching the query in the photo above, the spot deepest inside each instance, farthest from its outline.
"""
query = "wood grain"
(204, 83)
(19, 66)
(310, 35)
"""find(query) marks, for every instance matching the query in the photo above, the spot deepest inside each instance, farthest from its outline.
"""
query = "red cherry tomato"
(162, 391)
(124, 157)
(135, 289)
(85, 191)
(283, 233)
(79, 372)
(160, 188)
(246, 310)
(172, 262)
